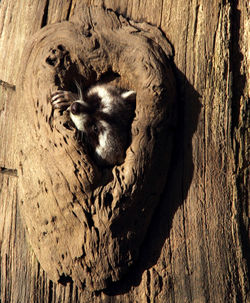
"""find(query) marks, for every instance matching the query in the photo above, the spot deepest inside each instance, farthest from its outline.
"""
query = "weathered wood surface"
(86, 222)
(196, 248)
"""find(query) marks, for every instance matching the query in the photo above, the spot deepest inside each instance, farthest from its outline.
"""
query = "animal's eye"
(95, 128)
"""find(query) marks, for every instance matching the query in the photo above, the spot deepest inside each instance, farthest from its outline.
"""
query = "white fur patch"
(127, 94)
(103, 140)
(104, 95)
(101, 91)
(79, 121)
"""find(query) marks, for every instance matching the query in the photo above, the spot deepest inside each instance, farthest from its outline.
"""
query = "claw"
(61, 99)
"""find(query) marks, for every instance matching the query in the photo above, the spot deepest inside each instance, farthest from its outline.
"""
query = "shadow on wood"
(175, 191)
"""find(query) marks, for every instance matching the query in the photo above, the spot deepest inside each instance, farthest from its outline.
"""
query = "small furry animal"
(103, 116)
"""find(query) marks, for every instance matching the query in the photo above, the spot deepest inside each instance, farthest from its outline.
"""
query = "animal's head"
(104, 115)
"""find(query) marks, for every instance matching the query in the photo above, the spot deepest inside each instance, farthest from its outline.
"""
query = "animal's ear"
(129, 95)
(79, 91)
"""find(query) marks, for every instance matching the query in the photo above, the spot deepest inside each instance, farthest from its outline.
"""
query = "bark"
(195, 248)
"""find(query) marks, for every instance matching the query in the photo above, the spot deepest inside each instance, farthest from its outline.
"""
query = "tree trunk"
(196, 247)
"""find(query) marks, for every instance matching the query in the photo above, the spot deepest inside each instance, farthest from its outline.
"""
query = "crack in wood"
(7, 85)
(45, 14)
(8, 171)
(69, 10)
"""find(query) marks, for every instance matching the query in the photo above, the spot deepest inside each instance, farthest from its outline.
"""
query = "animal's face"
(104, 116)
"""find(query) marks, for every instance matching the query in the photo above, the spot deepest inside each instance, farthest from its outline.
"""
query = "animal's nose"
(76, 108)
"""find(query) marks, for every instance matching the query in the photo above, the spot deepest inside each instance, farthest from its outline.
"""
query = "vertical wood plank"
(194, 250)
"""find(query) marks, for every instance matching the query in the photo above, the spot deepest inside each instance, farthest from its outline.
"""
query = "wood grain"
(85, 222)
(196, 247)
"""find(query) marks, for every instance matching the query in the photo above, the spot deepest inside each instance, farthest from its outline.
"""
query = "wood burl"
(87, 222)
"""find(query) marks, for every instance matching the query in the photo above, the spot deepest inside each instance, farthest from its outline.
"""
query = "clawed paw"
(61, 99)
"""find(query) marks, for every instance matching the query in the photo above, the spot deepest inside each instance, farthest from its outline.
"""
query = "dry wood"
(85, 222)
(196, 246)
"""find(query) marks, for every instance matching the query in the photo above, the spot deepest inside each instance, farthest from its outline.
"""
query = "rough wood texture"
(85, 222)
(196, 247)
